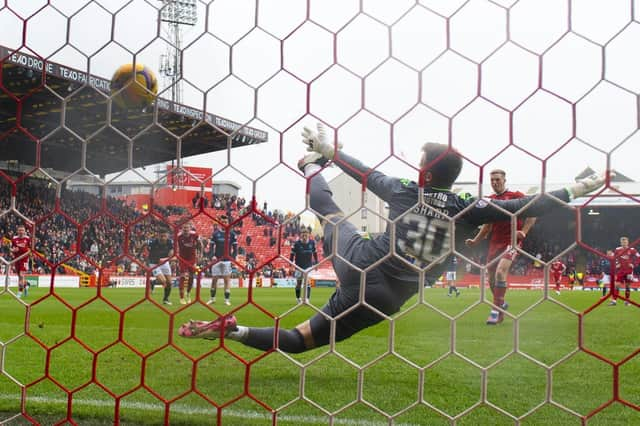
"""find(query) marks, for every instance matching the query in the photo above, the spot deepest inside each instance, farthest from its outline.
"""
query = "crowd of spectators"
(103, 225)
(218, 201)
(55, 227)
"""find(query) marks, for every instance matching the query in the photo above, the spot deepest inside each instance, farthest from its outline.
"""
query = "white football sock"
(238, 334)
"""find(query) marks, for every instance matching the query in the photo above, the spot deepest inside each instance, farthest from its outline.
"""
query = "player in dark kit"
(305, 256)
(605, 272)
(224, 250)
(20, 249)
(189, 248)
(160, 251)
(422, 232)
(450, 276)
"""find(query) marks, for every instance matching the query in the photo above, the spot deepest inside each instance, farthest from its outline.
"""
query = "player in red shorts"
(500, 245)
(189, 248)
(20, 247)
(557, 269)
(626, 259)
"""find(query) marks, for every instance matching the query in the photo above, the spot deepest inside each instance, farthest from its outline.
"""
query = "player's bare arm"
(484, 232)
(526, 227)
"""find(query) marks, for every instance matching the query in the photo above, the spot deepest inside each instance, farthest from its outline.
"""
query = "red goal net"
(136, 200)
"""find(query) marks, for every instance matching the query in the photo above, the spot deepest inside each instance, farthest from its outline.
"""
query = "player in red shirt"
(626, 260)
(557, 269)
(189, 249)
(500, 246)
(20, 248)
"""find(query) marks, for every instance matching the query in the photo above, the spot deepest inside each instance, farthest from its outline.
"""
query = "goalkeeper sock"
(297, 292)
(167, 292)
(290, 341)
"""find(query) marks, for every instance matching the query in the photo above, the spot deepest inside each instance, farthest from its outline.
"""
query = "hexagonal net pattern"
(108, 204)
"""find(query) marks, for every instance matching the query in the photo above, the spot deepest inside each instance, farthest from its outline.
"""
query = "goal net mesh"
(547, 91)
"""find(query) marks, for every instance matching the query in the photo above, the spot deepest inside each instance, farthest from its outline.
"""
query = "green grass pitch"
(361, 379)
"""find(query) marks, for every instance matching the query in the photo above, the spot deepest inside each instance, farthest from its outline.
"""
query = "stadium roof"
(619, 177)
(32, 113)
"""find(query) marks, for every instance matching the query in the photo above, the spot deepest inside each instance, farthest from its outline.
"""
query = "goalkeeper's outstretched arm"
(378, 183)
(480, 214)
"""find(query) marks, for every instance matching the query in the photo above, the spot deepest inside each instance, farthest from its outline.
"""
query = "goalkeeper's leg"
(316, 331)
(292, 341)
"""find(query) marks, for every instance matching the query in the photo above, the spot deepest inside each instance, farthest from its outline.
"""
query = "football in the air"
(134, 87)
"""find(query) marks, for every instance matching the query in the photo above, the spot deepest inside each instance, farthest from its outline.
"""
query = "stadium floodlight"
(182, 12)
(175, 13)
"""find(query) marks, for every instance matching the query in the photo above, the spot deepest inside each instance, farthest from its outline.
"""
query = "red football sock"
(498, 295)
(181, 287)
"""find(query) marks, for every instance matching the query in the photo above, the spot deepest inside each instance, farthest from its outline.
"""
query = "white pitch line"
(184, 409)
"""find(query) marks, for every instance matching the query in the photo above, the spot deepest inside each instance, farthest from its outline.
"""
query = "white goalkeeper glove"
(587, 185)
(318, 142)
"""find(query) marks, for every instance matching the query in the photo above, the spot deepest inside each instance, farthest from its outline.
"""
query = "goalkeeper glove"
(587, 185)
(318, 142)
